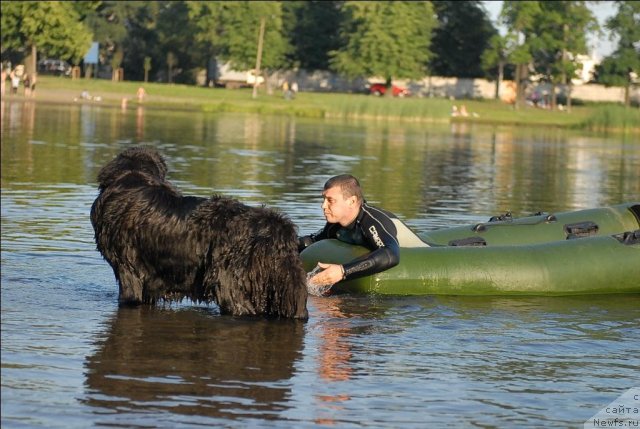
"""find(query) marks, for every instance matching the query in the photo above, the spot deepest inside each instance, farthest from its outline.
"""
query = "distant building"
(585, 74)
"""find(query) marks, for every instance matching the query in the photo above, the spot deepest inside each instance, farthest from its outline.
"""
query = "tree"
(116, 61)
(622, 67)
(176, 32)
(230, 29)
(114, 24)
(390, 39)
(519, 16)
(547, 37)
(561, 29)
(51, 28)
(495, 58)
(142, 39)
(463, 33)
(312, 30)
(147, 68)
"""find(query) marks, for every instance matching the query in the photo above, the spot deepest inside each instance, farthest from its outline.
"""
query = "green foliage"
(312, 29)
(385, 38)
(141, 39)
(126, 28)
(519, 16)
(54, 28)
(109, 22)
(620, 67)
(116, 59)
(463, 33)
(176, 33)
(495, 54)
(547, 36)
(613, 118)
(231, 29)
(560, 29)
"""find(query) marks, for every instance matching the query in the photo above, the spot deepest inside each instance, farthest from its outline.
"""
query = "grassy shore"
(597, 117)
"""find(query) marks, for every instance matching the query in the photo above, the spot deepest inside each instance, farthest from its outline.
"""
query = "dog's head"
(135, 159)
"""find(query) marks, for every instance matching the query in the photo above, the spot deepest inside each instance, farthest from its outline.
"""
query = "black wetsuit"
(373, 229)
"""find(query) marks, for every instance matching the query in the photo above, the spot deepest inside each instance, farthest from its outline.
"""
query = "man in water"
(352, 220)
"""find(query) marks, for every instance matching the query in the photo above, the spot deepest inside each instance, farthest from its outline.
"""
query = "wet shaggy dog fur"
(166, 246)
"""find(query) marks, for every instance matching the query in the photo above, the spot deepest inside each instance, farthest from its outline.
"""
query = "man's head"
(342, 198)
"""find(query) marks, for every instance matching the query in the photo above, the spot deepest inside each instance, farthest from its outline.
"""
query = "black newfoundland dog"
(166, 246)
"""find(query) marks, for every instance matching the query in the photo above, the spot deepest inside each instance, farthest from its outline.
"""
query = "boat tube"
(595, 251)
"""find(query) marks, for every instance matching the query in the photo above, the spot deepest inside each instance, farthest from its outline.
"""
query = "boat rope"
(508, 221)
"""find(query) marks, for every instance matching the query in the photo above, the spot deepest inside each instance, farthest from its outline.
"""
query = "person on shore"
(141, 94)
(351, 220)
(286, 90)
(15, 82)
(4, 81)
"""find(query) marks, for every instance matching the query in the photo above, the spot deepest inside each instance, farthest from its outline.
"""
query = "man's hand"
(330, 274)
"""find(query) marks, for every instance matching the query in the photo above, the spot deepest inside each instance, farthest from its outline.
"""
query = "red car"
(379, 89)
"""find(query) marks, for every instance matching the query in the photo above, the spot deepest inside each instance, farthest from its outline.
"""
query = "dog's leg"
(131, 286)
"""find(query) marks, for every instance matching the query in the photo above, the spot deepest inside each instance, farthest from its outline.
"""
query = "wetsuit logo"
(376, 237)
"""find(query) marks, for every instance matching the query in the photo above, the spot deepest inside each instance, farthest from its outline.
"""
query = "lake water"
(72, 359)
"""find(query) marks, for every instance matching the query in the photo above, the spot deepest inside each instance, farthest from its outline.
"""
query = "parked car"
(379, 89)
(54, 67)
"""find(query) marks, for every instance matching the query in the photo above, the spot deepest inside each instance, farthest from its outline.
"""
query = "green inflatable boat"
(594, 251)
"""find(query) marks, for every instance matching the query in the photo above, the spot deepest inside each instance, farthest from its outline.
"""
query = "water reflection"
(414, 170)
(334, 357)
(444, 354)
(193, 362)
(359, 361)
(140, 123)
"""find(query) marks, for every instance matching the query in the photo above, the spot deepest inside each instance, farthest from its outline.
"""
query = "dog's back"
(162, 244)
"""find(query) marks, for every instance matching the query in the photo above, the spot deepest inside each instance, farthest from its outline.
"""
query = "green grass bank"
(594, 117)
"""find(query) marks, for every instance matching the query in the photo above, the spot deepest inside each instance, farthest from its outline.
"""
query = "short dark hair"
(348, 184)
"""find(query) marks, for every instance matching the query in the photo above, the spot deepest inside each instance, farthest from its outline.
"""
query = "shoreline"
(57, 90)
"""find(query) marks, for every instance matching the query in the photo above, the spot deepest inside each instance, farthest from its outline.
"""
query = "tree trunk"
(30, 61)
(521, 75)
(569, 89)
(147, 67)
(256, 82)
(500, 78)
(389, 87)
(268, 81)
(627, 98)
(554, 96)
(171, 62)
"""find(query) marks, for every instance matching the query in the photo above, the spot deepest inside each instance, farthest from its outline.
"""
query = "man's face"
(336, 208)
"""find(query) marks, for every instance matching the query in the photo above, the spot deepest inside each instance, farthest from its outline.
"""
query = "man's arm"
(377, 261)
(381, 234)
(307, 240)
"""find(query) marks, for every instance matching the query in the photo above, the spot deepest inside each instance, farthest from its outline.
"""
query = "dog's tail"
(142, 158)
